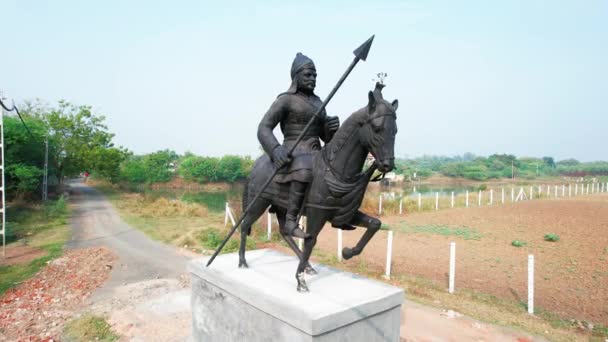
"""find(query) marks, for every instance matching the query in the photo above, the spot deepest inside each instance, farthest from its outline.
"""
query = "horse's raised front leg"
(254, 213)
(363, 220)
(316, 220)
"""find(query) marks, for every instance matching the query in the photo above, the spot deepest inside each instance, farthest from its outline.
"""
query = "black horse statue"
(339, 182)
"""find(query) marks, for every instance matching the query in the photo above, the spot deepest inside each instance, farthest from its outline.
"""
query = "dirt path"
(96, 223)
(148, 297)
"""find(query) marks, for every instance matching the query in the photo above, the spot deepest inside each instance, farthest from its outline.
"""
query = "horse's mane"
(346, 130)
(353, 122)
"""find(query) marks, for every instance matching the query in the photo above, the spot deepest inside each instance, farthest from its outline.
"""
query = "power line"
(15, 109)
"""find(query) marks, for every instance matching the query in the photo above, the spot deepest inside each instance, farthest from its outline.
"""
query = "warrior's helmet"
(300, 63)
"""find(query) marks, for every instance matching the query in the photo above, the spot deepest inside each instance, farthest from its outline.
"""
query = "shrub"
(134, 171)
(518, 243)
(56, 209)
(551, 237)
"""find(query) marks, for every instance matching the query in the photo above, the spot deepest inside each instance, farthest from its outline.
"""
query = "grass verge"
(41, 226)
(88, 328)
(463, 232)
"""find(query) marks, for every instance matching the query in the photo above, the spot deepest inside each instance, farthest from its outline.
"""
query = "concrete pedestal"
(261, 303)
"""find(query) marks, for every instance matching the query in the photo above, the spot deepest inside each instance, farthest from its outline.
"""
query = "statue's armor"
(293, 112)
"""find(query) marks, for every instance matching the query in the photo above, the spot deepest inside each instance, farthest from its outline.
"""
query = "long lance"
(360, 54)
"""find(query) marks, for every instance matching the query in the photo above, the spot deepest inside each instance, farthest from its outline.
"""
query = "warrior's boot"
(296, 197)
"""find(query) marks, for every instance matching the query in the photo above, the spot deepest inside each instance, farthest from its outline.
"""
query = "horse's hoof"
(310, 271)
(243, 264)
(302, 287)
(347, 253)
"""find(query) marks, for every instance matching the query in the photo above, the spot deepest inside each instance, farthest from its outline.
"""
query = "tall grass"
(146, 206)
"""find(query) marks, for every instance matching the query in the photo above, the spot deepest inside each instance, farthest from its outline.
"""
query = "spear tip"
(362, 51)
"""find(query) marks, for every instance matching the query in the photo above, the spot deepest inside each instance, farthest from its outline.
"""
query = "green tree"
(80, 140)
(23, 155)
(133, 170)
(549, 162)
(157, 165)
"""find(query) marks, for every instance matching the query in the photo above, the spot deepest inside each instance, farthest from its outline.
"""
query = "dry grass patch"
(140, 205)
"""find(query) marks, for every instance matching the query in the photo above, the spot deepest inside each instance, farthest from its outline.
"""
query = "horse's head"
(378, 129)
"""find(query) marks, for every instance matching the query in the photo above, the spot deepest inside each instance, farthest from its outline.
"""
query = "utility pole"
(2, 185)
(45, 179)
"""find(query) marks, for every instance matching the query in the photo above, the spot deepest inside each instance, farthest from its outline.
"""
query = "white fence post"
(512, 194)
(467, 199)
(419, 201)
(380, 205)
(452, 266)
(531, 192)
(452, 199)
(269, 232)
(587, 188)
(491, 196)
(339, 244)
(401, 206)
(503, 196)
(229, 216)
(301, 241)
(540, 190)
(479, 199)
(226, 214)
(576, 189)
(563, 190)
(548, 191)
(569, 190)
(531, 284)
(555, 190)
(389, 254)
(436, 200)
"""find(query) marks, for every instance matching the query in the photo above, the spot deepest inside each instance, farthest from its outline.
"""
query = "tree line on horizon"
(497, 166)
(80, 141)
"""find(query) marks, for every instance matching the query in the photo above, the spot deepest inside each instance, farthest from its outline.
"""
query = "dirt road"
(96, 223)
(148, 298)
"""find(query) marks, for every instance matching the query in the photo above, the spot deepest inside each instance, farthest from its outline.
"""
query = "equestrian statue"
(324, 183)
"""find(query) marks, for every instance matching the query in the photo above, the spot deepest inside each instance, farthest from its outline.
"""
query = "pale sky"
(523, 77)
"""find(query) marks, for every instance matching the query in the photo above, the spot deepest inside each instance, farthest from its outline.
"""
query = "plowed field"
(571, 274)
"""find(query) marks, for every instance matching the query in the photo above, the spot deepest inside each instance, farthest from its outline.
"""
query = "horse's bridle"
(370, 170)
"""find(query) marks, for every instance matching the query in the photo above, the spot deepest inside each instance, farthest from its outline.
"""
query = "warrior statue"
(292, 110)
